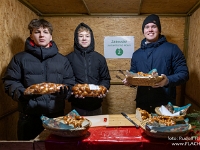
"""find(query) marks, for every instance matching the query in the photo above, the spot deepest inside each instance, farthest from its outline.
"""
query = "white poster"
(118, 46)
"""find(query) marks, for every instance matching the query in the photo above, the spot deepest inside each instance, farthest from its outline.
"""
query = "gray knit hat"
(152, 19)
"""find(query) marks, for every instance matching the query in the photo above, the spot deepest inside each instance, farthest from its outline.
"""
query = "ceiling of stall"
(111, 7)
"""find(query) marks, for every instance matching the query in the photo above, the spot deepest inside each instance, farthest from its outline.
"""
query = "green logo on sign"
(119, 51)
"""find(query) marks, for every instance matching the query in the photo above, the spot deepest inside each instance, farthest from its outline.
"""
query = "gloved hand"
(19, 95)
(31, 96)
(16, 95)
(63, 92)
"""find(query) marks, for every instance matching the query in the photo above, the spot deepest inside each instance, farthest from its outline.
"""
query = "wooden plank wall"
(119, 97)
(193, 60)
(13, 26)
(14, 19)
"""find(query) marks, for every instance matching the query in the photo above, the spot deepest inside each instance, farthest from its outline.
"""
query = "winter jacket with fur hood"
(89, 67)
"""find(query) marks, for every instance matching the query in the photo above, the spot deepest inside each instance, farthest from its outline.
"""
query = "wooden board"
(119, 120)
(112, 120)
(98, 120)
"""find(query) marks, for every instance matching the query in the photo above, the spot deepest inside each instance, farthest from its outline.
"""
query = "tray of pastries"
(80, 127)
(88, 90)
(43, 88)
(159, 126)
(164, 127)
(71, 125)
(143, 79)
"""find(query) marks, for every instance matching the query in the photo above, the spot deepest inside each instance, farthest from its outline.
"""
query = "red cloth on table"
(115, 138)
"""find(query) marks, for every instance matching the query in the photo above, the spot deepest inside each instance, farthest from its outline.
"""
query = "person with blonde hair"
(89, 67)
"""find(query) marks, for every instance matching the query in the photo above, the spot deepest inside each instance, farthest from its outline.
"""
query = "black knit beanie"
(152, 19)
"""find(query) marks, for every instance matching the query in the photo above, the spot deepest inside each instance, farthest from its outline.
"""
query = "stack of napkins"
(164, 111)
(178, 111)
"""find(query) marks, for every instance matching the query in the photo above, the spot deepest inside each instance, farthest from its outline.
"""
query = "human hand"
(103, 95)
(19, 95)
(77, 96)
(126, 82)
(63, 92)
(162, 83)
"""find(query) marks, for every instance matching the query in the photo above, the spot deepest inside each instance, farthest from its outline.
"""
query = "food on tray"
(142, 114)
(43, 88)
(70, 121)
(178, 118)
(76, 121)
(178, 130)
(153, 73)
(142, 74)
(161, 126)
(71, 125)
(143, 79)
(88, 90)
(161, 121)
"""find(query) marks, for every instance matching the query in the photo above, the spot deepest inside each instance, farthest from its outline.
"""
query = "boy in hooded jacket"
(157, 53)
(39, 62)
(89, 67)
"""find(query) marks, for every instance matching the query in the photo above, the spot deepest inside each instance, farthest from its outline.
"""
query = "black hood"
(77, 46)
(40, 52)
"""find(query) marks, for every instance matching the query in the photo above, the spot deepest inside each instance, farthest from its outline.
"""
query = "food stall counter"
(115, 137)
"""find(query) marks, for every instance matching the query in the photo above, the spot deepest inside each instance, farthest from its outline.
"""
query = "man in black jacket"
(89, 67)
(39, 62)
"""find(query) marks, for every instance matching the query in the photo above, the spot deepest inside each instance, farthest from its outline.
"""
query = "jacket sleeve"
(12, 79)
(133, 67)
(180, 70)
(104, 74)
(69, 78)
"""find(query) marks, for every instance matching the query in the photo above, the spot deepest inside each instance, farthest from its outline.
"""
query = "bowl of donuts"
(67, 126)
(88, 90)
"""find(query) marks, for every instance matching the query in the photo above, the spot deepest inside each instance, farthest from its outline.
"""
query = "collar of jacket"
(41, 53)
(160, 41)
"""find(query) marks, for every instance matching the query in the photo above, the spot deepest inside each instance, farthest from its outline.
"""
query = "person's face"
(41, 37)
(151, 32)
(84, 39)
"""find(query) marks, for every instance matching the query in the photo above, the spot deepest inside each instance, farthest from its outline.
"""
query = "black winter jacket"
(89, 67)
(37, 65)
